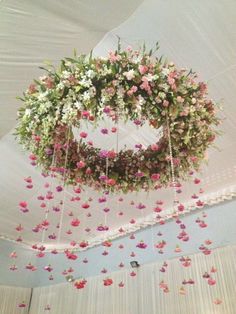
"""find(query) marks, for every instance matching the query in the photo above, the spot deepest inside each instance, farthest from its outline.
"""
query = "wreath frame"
(130, 85)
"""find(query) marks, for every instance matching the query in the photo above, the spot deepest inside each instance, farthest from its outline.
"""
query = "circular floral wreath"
(128, 85)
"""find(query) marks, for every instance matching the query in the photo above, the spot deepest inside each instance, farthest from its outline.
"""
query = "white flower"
(78, 104)
(27, 112)
(165, 71)
(141, 100)
(42, 78)
(60, 86)
(85, 82)
(90, 73)
(129, 75)
(66, 74)
(42, 96)
(86, 96)
(137, 59)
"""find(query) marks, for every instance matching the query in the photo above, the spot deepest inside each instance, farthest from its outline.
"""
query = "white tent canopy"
(190, 33)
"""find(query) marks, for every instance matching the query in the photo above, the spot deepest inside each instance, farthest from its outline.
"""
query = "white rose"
(129, 75)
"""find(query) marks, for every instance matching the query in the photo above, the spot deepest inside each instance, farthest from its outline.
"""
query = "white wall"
(11, 297)
(142, 295)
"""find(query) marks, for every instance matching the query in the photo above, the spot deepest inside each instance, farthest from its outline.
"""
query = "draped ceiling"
(194, 34)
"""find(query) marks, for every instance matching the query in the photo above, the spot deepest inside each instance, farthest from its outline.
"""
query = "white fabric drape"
(11, 297)
(142, 295)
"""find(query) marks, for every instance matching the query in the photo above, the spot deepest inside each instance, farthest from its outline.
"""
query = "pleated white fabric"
(11, 297)
(142, 295)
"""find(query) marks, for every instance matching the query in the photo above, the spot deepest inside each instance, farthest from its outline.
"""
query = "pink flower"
(71, 255)
(145, 85)
(217, 301)
(85, 114)
(85, 205)
(113, 57)
(141, 245)
(197, 181)
(165, 103)
(178, 249)
(139, 174)
(104, 131)
(21, 305)
(32, 89)
(32, 157)
(202, 224)
(132, 90)
(211, 282)
(143, 69)
(107, 109)
(83, 134)
(180, 207)
(107, 243)
(113, 129)
(111, 182)
(49, 82)
(77, 190)
(111, 154)
(59, 188)
(13, 255)
(154, 147)
(110, 91)
(81, 164)
(155, 176)
(75, 222)
(80, 284)
(48, 268)
(19, 228)
(107, 282)
(194, 159)
(83, 244)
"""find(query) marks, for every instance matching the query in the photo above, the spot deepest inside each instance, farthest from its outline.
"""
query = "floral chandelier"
(127, 85)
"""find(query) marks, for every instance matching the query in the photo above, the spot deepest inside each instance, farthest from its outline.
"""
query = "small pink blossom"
(113, 57)
(81, 164)
(154, 147)
(83, 134)
(85, 114)
(143, 69)
(104, 131)
(155, 176)
(132, 90)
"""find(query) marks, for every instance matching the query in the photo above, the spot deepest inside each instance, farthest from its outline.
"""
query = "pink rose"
(80, 164)
(32, 89)
(111, 182)
(154, 147)
(83, 134)
(111, 154)
(155, 176)
(85, 114)
(143, 69)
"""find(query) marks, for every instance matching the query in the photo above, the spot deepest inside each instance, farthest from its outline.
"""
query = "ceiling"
(194, 34)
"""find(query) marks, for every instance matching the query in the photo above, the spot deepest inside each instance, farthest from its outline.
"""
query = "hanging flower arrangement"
(127, 85)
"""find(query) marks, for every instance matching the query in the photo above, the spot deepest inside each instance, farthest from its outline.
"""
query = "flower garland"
(127, 85)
